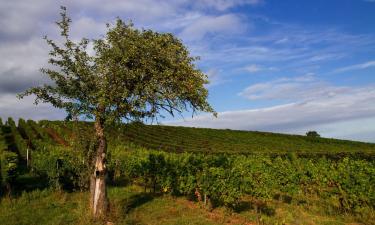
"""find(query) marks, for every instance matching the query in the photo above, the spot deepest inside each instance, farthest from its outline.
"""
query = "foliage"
(28, 133)
(63, 167)
(8, 168)
(19, 143)
(346, 183)
(225, 179)
(312, 134)
(133, 74)
(8, 158)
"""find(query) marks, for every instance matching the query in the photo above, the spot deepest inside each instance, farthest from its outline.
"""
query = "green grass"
(43, 207)
(130, 205)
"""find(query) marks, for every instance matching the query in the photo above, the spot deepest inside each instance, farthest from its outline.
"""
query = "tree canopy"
(132, 74)
(313, 134)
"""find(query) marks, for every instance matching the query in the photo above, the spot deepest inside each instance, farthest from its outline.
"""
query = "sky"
(285, 66)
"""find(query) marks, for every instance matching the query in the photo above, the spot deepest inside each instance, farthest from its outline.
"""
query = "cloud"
(10, 106)
(301, 88)
(21, 19)
(206, 25)
(21, 36)
(222, 5)
(87, 27)
(254, 68)
(304, 49)
(19, 68)
(23, 23)
(325, 57)
(215, 78)
(361, 66)
(298, 117)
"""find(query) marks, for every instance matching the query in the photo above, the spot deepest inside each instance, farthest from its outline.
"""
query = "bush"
(65, 169)
(224, 179)
(313, 134)
(8, 167)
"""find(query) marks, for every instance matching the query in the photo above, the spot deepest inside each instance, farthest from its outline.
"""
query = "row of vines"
(220, 179)
(17, 145)
(225, 179)
(8, 157)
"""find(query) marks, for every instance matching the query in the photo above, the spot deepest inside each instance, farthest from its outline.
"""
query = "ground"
(131, 205)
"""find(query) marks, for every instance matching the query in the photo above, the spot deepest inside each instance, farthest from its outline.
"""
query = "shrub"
(8, 167)
(313, 134)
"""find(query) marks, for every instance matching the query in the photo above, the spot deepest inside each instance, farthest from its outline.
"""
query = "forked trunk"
(98, 200)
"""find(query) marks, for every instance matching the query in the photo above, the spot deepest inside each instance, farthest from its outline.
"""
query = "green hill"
(185, 139)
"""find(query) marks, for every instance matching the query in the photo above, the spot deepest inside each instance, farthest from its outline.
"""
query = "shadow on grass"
(258, 206)
(243, 206)
(136, 200)
(28, 183)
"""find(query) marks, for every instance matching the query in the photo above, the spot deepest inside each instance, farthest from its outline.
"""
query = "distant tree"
(132, 75)
(312, 134)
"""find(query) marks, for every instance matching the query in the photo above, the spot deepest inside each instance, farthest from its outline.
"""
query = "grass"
(43, 207)
(130, 205)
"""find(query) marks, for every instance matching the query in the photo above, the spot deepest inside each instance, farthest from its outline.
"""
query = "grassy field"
(130, 205)
(35, 201)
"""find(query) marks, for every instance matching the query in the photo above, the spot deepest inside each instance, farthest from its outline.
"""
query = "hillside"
(185, 139)
(153, 170)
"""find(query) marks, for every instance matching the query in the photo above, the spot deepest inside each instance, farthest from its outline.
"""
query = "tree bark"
(98, 200)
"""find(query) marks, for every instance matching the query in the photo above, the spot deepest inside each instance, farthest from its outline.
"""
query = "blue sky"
(282, 66)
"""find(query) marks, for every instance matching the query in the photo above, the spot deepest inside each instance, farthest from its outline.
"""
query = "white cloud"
(325, 57)
(214, 77)
(364, 65)
(19, 68)
(21, 19)
(10, 106)
(253, 68)
(301, 88)
(222, 5)
(352, 106)
(204, 25)
(87, 27)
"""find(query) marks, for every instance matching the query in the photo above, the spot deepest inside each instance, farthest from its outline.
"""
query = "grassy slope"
(215, 140)
(179, 139)
(129, 205)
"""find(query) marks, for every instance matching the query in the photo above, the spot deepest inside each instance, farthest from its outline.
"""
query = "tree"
(132, 75)
(313, 134)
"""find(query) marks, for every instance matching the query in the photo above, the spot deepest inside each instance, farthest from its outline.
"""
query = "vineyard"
(184, 139)
(215, 168)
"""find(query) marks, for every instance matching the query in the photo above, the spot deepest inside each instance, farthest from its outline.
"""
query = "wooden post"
(27, 157)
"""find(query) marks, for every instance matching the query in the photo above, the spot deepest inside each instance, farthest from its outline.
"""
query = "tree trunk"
(98, 200)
